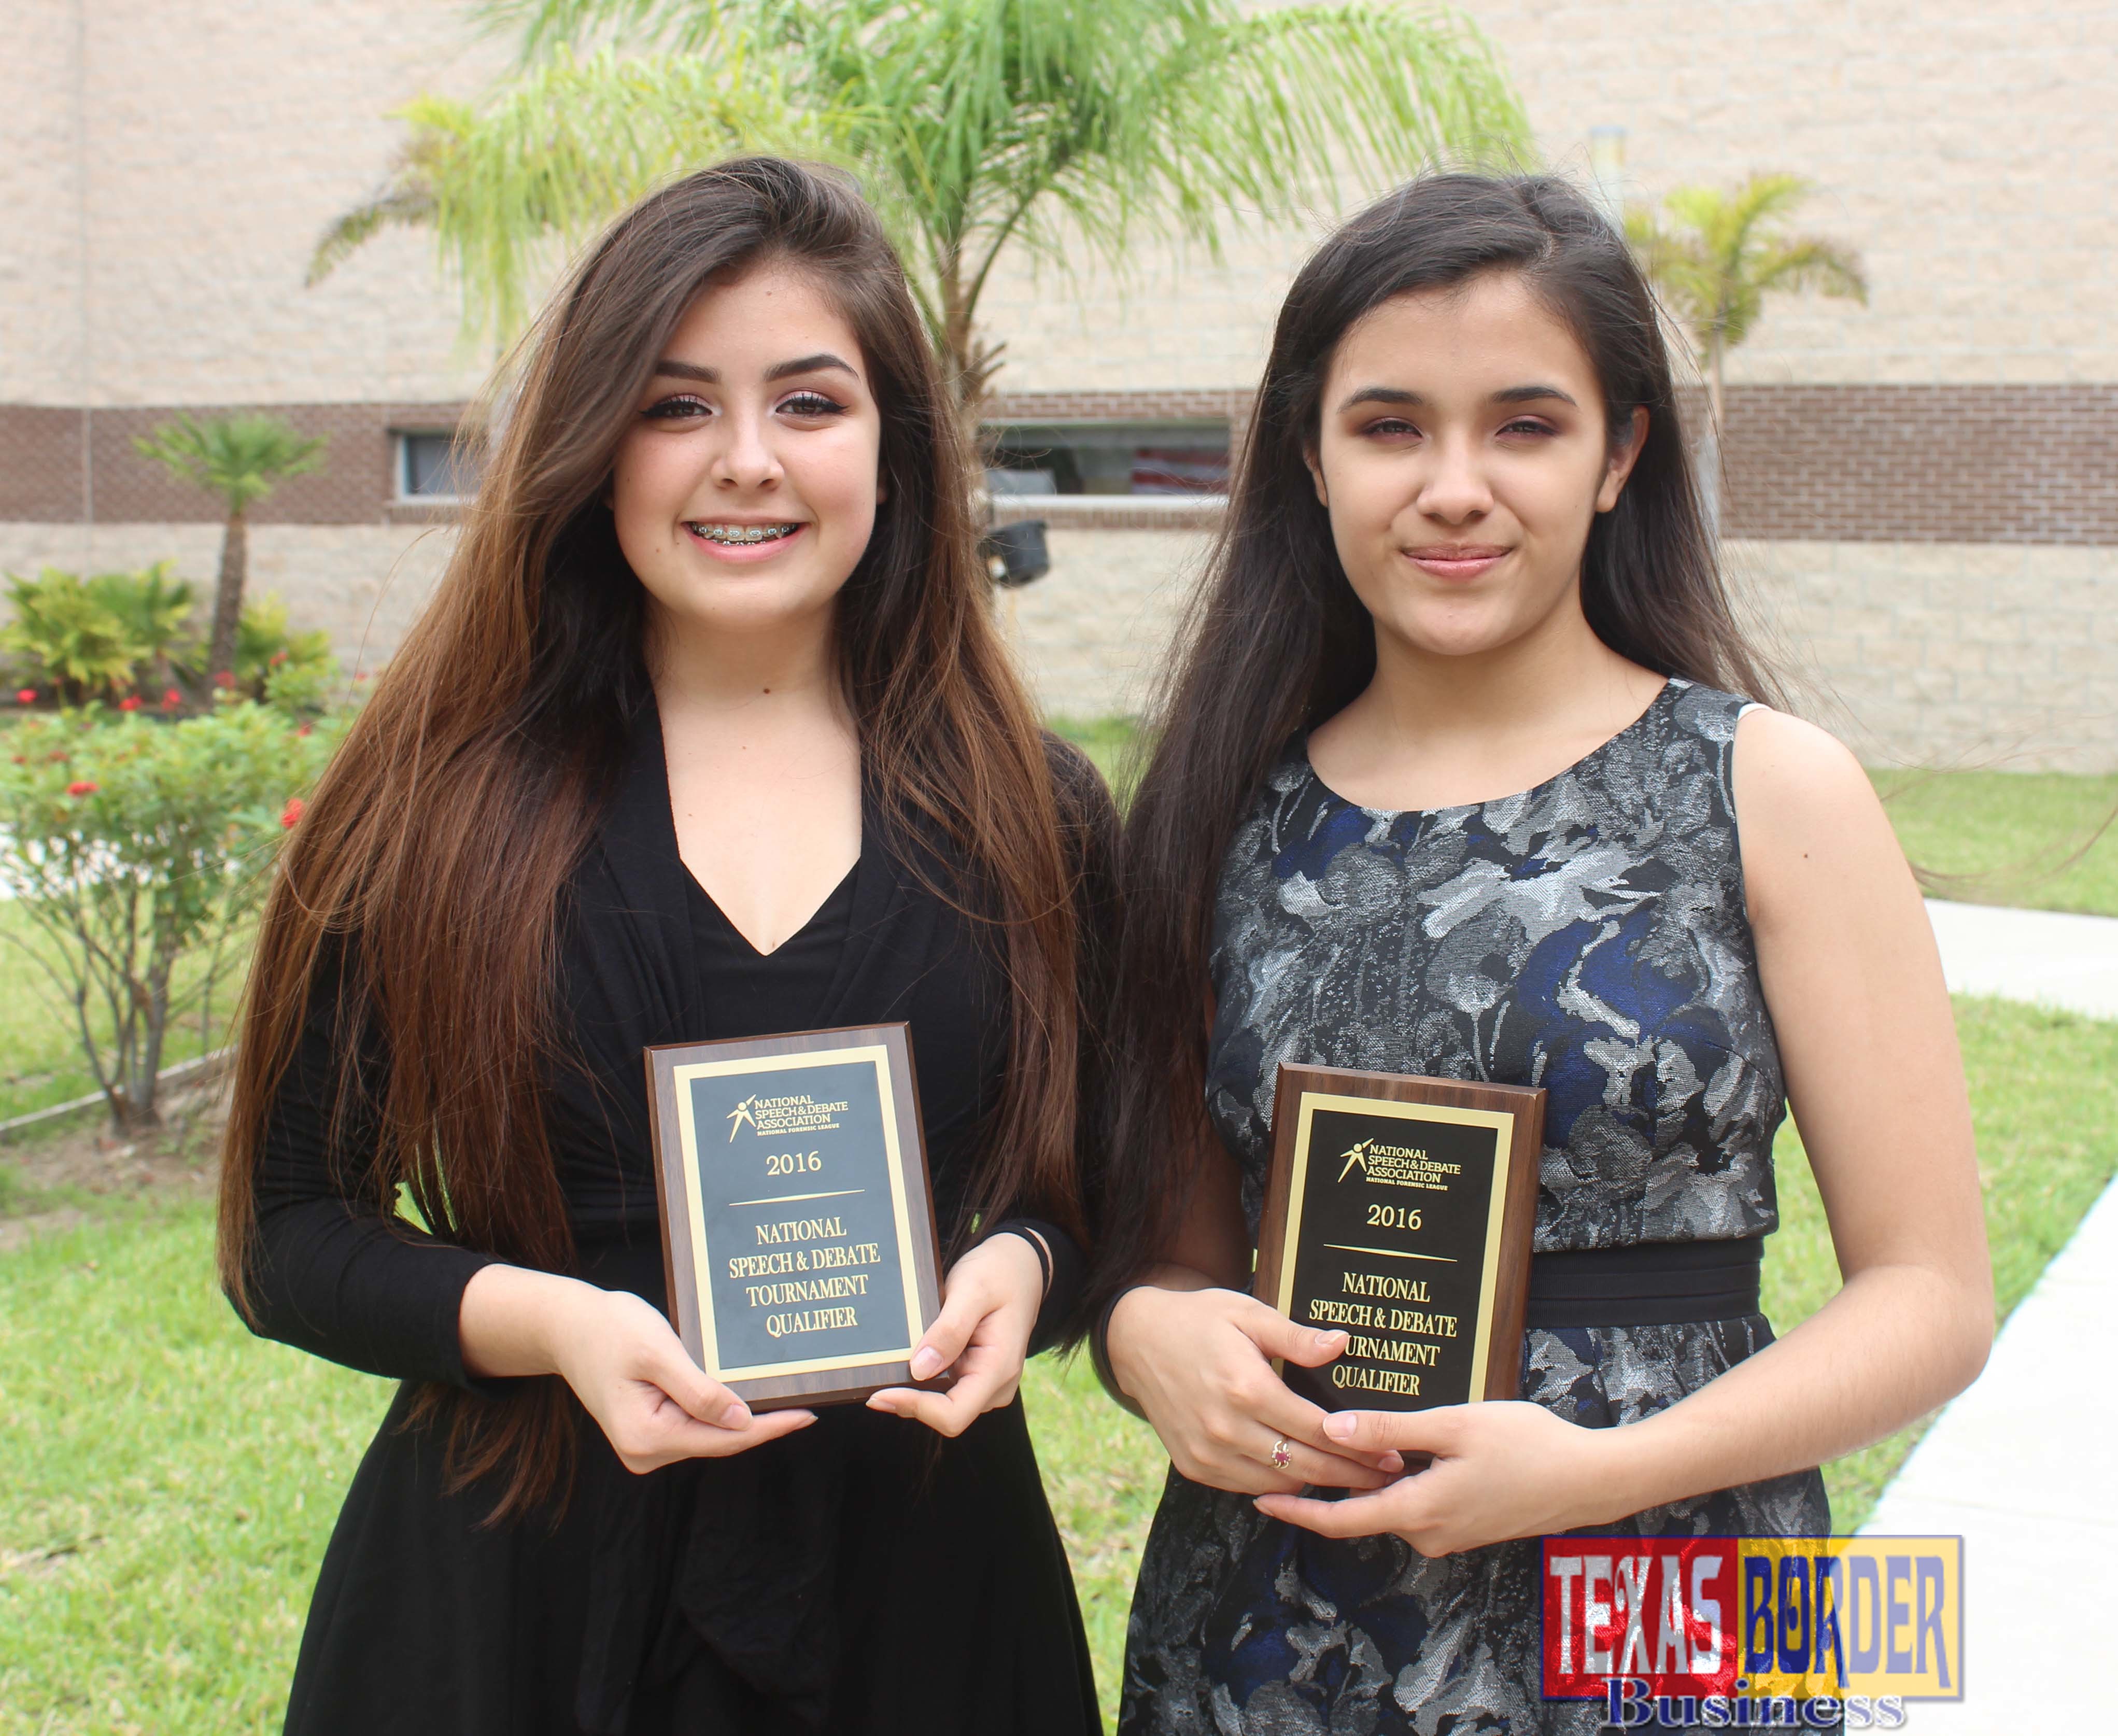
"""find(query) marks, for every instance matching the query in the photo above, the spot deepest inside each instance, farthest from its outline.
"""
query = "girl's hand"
(1197, 1361)
(989, 1304)
(653, 1404)
(1499, 1471)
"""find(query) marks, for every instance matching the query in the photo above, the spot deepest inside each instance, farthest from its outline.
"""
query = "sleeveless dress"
(1588, 935)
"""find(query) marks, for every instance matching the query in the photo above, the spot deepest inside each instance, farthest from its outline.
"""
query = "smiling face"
(744, 492)
(1463, 453)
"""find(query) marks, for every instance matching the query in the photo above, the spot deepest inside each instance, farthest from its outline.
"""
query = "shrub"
(66, 633)
(129, 637)
(134, 845)
(294, 672)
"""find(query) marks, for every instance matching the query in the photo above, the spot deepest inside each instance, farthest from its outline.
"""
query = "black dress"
(864, 1575)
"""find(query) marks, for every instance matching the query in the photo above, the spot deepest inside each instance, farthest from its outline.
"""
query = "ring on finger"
(1282, 1455)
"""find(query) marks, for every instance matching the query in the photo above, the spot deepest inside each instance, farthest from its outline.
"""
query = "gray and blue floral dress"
(1588, 935)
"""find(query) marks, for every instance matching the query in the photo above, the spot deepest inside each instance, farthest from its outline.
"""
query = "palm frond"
(1058, 129)
(570, 144)
(239, 460)
(1717, 252)
(406, 203)
(1809, 262)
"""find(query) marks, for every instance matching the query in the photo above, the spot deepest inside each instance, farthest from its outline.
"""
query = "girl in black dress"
(707, 734)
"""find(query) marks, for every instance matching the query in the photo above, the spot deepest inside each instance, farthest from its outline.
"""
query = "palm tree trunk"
(965, 381)
(1711, 475)
(228, 596)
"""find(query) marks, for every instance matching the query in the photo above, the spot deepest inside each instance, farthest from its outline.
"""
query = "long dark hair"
(1277, 640)
(432, 856)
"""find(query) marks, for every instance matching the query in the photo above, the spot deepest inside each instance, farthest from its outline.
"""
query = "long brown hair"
(425, 878)
(1277, 639)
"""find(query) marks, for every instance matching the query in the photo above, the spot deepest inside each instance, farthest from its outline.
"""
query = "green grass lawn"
(2040, 838)
(167, 1481)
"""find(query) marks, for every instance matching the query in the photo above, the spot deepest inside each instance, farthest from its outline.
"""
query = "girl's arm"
(1854, 984)
(331, 1272)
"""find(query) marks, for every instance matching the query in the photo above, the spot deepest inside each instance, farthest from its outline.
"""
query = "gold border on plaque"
(854, 1055)
(1502, 1122)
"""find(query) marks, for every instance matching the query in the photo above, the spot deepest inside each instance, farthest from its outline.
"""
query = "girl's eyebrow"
(823, 360)
(1506, 395)
(1531, 394)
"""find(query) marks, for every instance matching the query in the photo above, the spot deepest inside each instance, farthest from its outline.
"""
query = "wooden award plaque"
(798, 1224)
(1400, 1210)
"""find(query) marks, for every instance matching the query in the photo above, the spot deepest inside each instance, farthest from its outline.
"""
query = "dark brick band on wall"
(42, 479)
(1971, 464)
(1924, 464)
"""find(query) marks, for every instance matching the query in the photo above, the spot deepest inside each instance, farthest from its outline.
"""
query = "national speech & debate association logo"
(1754, 1632)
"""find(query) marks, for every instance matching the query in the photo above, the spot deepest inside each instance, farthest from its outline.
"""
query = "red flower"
(25, 696)
(225, 679)
(278, 658)
(130, 702)
(171, 700)
(82, 787)
(362, 676)
(307, 730)
(290, 815)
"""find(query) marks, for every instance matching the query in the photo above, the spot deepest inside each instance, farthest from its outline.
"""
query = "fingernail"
(735, 1416)
(1393, 1461)
(1330, 1338)
(887, 1406)
(1340, 1427)
(926, 1362)
(809, 1418)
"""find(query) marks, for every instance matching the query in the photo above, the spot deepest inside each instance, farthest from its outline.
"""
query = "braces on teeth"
(744, 533)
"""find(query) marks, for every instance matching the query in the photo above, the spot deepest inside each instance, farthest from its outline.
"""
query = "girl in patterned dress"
(1460, 773)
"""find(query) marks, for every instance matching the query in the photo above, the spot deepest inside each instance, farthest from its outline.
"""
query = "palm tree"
(1059, 129)
(238, 460)
(1720, 252)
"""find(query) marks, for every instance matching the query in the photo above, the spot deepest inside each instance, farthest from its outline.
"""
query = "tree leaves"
(239, 460)
(1063, 130)
(1722, 250)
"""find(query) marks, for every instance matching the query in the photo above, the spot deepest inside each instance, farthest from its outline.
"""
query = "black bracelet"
(1021, 1227)
(1065, 1273)
(1099, 1350)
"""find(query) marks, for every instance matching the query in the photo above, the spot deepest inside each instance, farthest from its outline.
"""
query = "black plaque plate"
(798, 1225)
(1399, 1211)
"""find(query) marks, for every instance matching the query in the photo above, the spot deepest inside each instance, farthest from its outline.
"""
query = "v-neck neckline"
(841, 894)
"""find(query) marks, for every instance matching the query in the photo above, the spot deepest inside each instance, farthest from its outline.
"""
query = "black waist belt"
(1649, 1284)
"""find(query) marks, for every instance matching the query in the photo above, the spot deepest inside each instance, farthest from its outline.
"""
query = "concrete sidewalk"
(2050, 956)
(2024, 1465)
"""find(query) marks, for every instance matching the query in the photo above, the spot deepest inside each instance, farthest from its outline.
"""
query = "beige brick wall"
(1089, 633)
(365, 583)
(218, 139)
(1935, 654)
(1946, 654)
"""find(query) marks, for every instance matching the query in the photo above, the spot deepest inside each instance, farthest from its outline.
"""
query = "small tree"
(238, 460)
(1716, 254)
(138, 851)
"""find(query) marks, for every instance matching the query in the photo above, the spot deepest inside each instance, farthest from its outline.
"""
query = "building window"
(1109, 458)
(431, 466)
